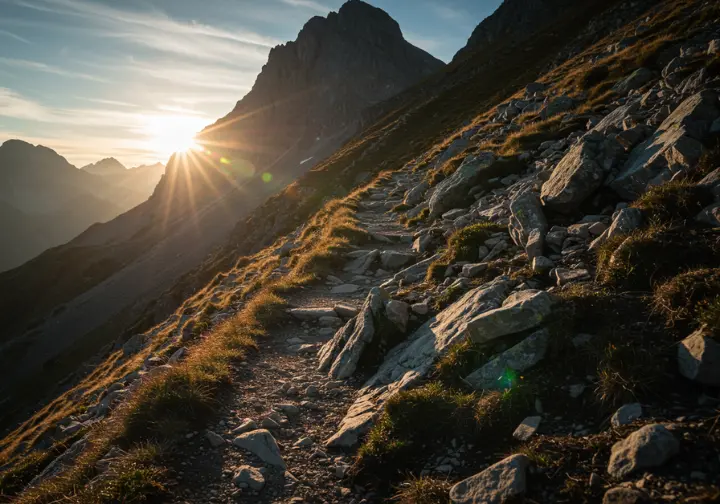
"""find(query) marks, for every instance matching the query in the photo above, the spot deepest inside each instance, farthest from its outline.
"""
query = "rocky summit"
(505, 288)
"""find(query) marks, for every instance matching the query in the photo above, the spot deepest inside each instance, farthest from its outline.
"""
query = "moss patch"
(673, 202)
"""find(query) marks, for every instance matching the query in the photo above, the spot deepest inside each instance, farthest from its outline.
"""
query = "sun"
(171, 133)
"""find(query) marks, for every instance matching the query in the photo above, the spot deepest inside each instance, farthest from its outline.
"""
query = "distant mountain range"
(45, 201)
(311, 97)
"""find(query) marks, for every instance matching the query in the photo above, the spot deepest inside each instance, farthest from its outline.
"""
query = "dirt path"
(284, 372)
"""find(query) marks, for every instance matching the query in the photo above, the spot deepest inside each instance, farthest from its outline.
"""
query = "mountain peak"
(107, 166)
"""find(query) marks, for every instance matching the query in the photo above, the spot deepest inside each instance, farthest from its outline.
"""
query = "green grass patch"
(679, 298)
(673, 202)
(419, 218)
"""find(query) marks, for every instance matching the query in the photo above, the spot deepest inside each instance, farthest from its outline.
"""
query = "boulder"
(409, 363)
(581, 172)
(542, 265)
(415, 195)
(453, 191)
(340, 356)
(627, 414)
(699, 358)
(634, 81)
(557, 106)
(249, 477)
(501, 483)
(500, 373)
(613, 122)
(345, 289)
(521, 311)
(398, 313)
(565, 276)
(674, 148)
(626, 221)
(392, 260)
(473, 270)
(214, 438)
(263, 444)
(528, 220)
(650, 446)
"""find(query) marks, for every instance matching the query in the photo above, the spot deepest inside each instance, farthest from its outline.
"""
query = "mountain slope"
(55, 201)
(127, 263)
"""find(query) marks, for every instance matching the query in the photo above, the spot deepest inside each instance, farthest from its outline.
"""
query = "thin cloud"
(50, 69)
(14, 37)
(114, 103)
(308, 4)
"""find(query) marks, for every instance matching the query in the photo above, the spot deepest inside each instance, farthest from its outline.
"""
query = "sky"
(135, 79)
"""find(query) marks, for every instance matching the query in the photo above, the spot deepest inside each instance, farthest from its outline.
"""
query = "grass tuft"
(422, 490)
(673, 202)
(679, 298)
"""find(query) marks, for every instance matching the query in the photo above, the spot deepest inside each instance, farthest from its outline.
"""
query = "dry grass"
(422, 490)
(680, 298)
(673, 202)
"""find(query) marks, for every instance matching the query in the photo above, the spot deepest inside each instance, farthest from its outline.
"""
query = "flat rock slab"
(345, 289)
(409, 362)
(501, 483)
(520, 312)
(497, 374)
(312, 313)
(651, 446)
(263, 444)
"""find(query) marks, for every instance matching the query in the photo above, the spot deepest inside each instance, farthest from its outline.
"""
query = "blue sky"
(134, 79)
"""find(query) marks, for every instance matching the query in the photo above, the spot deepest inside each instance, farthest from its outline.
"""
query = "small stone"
(527, 428)
(303, 442)
(345, 289)
(420, 308)
(288, 409)
(542, 265)
(576, 390)
(263, 444)
(501, 483)
(627, 414)
(269, 423)
(650, 446)
(623, 495)
(214, 438)
(249, 477)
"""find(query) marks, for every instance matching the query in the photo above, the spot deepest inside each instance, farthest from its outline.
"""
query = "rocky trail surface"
(280, 399)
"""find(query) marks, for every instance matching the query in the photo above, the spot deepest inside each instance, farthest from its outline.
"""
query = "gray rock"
(527, 428)
(565, 276)
(420, 308)
(392, 260)
(497, 374)
(249, 477)
(288, 409)
(473, 270)
(626, 414)
(134, 344)
(340, 356)
(710, 215)
(501, 483)
(345, 311)
(613, 122)
(398, 313)
(311, 314)
(528, 221)
(626, 221)
(453, 191)
(345, 289)
(422, 243)
(415, 195)
(556, 237)
(521, 311)
(557, 106)
(261, 443)
(542, 265)
(624, 495)
(581, 172)
(247, 426)
(303, 442)
(674, 148)
(650, 446)
(214, 438)
(409, 363)
(634, 81)
(699, 358)
(269, 423)
(177, 355)
(362, 262)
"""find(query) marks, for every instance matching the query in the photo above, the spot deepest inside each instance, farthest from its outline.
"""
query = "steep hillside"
(522, 306)
(70, 302)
